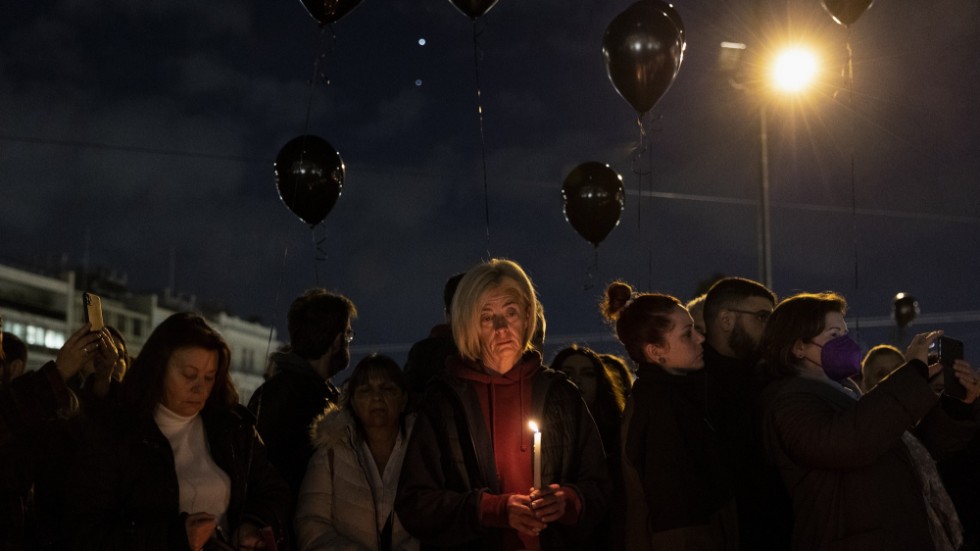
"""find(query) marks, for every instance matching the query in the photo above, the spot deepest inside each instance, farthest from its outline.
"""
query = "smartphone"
(93, 310)
(946, 351)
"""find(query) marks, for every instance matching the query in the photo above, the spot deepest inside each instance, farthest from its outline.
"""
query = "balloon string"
(592, 271)
(275, 302)
(320, 54)
(319, 253)
(650, 269)
(483, 138)
(316, 259)
(638, 169)
(854, 215)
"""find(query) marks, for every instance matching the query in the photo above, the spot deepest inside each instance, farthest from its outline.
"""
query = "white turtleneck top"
(204, 487)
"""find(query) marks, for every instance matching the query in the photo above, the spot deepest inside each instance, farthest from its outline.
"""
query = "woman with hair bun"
(678, 495)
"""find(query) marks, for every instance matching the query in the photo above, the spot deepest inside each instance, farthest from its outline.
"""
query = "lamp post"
(790, 71)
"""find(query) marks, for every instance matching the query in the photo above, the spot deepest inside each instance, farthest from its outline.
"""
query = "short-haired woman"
(467, 478)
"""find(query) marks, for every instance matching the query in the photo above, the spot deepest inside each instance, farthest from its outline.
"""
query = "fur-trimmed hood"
(331, 426)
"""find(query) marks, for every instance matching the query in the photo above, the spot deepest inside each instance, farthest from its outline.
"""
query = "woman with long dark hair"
(179, 466)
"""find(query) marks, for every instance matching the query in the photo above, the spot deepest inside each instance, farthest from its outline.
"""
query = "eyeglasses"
(349, 335)
(761, 315)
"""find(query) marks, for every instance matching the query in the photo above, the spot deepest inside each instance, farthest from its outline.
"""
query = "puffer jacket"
(339, 507)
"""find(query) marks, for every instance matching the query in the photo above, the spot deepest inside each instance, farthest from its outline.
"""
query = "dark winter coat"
(123, 492)
(450, 463)
(427, 358)
(285, 407)
(850, 476)
(765, 514)
(678, 491)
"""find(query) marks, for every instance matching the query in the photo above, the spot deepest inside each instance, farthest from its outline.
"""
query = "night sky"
(141, 136)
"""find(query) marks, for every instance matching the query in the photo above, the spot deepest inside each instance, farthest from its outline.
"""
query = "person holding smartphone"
(860, 472)
(38, 425)
(179, 465)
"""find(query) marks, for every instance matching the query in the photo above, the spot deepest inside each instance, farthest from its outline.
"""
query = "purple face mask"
(840, 358)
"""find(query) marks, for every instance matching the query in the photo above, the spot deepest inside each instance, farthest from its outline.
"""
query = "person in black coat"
(179, 465)
(678, 492)
(299, 388)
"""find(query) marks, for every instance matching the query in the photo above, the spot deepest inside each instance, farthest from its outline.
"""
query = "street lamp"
(790, 71)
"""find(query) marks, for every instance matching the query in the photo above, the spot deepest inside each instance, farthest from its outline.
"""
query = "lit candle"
(536, 454)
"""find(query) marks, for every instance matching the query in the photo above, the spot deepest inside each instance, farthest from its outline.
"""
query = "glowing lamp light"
(794, 69)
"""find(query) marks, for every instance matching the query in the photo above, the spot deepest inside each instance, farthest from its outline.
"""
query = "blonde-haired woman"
(467, 478)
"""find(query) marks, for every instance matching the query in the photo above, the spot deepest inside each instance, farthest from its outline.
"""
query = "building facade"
(44, 311)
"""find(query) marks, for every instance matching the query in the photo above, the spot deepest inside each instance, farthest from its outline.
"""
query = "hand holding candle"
(536, 455)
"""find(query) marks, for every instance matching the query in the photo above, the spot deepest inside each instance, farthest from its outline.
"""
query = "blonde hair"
(495, 274)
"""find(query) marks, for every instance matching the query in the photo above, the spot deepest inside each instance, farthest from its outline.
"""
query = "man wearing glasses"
(735, 314)
(299, 388)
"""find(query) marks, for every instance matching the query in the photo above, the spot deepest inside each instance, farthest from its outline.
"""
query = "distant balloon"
(309, 177)
(846, 12)
(329, 11)
(904, 309)
(473, 8)
(593, 195)
(643, 48)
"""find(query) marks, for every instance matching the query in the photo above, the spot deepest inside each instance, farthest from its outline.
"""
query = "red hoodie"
(506, 404)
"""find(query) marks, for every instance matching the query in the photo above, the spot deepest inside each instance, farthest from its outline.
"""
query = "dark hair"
(620, 370)
(639, 318)
(13, 349)
(315, 319)
(142, 388)
(449, 290)
(121, 344)
(377, 365)
(609, 387)
(798, 318)
(610, 397)
(728, 292)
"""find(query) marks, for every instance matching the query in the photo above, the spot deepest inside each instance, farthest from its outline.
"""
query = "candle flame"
(533, 425)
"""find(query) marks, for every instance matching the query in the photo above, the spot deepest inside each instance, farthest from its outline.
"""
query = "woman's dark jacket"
(678, 490)
(450, 462)
(852, 480)
(123, 492)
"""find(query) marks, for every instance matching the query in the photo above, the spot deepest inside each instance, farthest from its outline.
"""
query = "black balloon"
(473, 8)
(904, 309)
(329, 11)
(309, 177)
(643, 48)
(846, 12)
(593, 195)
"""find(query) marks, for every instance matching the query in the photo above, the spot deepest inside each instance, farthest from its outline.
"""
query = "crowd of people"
(735, 421)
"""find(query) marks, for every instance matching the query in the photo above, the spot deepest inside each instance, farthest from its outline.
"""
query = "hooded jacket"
(451, 463)
(340, 506)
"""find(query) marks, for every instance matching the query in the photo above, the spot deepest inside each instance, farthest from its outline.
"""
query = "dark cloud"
(143, 136)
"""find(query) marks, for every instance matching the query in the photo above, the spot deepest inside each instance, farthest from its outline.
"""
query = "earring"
(662, 360)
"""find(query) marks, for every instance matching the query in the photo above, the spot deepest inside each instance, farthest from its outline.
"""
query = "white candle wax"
(536, 455)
